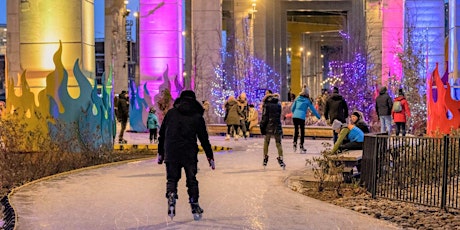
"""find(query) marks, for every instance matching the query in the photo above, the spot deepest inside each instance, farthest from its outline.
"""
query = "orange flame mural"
(438, 120)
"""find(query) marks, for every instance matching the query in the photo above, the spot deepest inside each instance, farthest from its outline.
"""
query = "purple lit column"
(392, 38)
(160, 35)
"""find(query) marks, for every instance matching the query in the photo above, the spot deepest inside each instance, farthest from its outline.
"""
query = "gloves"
(211, 163)
(160, 159)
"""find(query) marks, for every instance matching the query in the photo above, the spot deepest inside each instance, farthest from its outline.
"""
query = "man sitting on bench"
(352, 133)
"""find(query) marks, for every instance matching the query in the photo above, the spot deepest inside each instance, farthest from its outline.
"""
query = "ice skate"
(122, 141)
(197, 211)
(265, 160)
(236, 137)
(281, 162)
(295, 146)
(227, 137)
(172, 205)
(302, 149)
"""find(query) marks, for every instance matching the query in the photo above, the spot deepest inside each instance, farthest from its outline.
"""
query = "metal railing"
(422, 170)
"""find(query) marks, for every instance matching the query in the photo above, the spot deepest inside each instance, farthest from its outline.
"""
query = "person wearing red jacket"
(400, 118)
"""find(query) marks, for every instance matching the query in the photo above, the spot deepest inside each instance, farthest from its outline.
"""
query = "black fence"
(421, 170)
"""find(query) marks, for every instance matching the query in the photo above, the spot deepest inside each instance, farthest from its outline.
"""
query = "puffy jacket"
(336, 108)
(179, 131)
(271, 116)
(233, 111)
(123, 108)
(383, 103)
(300, 106)
(152, 121)
(405, 112)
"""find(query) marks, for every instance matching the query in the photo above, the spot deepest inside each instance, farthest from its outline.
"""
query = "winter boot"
(227, 137)
(197, 211)
(265, 160)
(281, 162)
(294, 145)
(171, 204)
(236, 137)
(302, 150)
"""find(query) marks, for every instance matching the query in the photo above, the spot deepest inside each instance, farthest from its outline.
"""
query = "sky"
(98, 15)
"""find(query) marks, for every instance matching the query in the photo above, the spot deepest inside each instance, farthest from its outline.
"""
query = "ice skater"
(270, 125)
(178, 149)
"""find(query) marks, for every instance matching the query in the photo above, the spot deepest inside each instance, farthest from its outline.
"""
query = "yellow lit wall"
(43, 23)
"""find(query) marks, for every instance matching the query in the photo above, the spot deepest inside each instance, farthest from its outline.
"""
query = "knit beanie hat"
(189, 94)
(357, 115)
(305, 91)
(336, 124)
(335, 90)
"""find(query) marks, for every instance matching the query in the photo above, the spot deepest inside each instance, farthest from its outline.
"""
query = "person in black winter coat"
(383, 104)
(336, 109)
(123, 114)
(270, 125)
(178, 146)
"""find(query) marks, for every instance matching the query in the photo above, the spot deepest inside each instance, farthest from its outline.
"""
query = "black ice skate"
(281, 162)
(295, 146)
(265, 160)
(122, 141)
(172, 204)
(197, 211)
(302, 150)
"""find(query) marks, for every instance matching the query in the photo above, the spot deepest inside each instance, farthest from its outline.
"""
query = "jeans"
(278, 143)
(385, 124)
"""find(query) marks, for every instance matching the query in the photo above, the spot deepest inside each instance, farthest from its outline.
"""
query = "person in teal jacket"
(351, 133)
(299, 112)
(152, 125)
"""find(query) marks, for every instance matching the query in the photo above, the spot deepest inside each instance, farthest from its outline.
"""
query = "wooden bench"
(288, 130)
(350, 160)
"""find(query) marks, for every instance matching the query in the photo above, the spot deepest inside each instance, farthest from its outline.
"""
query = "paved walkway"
(239, 194)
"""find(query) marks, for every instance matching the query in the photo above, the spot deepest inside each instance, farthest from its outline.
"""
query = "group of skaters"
(184, 123)
(239, 116)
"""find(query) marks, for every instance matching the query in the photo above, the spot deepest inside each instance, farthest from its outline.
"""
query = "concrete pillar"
(12, 45)
(427, 22)
(161, 44)
(392, 38)
(374, 38)
(206, 40)
(454, 36)
(44, 24)
(115, 44)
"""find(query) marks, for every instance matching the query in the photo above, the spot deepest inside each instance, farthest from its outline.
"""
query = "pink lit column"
(392, 38)
(160, 35)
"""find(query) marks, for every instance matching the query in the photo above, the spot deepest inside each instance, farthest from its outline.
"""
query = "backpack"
(397, 107)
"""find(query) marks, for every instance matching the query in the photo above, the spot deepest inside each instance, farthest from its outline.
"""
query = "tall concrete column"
(12, 46)
(374, 37)
(392, 38)
(161, 44)
(115, 44)
(427, 27)
(454, 37)
(35, 30)
(206, 43)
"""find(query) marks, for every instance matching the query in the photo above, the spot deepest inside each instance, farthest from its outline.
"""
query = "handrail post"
(444, 174)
